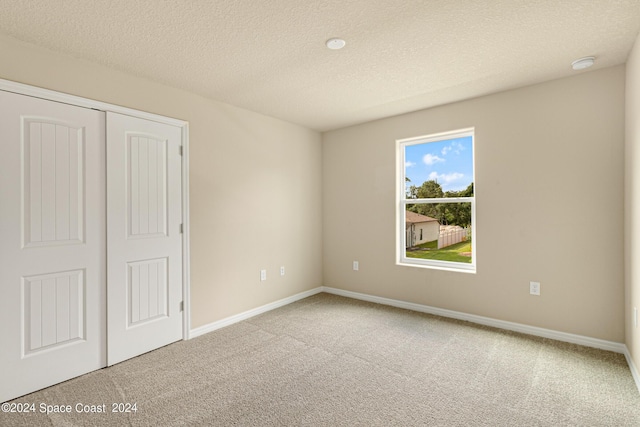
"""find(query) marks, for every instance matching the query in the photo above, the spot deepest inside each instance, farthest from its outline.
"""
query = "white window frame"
(402, 201)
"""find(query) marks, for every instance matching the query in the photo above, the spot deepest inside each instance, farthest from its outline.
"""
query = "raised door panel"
(147, 291)
(53, 310)
(53, 177)
(147, 185)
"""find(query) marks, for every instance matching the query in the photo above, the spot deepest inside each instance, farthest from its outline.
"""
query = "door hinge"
(181, 229)
(181, 305)
(180, 150)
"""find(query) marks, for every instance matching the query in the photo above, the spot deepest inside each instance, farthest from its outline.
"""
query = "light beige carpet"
(333, 361)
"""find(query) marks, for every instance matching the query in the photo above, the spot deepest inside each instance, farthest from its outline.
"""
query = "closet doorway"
(93, 249)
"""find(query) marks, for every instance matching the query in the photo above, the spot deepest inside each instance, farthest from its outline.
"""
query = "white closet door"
(144, 249)
(52, 243)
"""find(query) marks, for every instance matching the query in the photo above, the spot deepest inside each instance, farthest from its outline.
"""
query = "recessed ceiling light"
(335, 43)
(582, 63)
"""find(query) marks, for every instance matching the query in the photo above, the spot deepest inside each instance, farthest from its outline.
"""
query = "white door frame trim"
(51, 95)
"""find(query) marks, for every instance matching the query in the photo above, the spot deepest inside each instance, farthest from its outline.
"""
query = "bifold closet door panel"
(52, 243)
(144, 236)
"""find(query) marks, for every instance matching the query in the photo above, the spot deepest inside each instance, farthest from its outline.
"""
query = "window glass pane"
(438, 231)
(439, 169)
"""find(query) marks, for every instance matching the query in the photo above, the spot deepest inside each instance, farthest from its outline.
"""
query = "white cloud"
(409, 164)
(446, 178)
(456, 147)
(430, 159)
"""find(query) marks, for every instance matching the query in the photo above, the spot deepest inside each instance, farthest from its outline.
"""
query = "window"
(436, 201)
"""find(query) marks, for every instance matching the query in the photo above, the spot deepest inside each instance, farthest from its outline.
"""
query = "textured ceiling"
(270, 57)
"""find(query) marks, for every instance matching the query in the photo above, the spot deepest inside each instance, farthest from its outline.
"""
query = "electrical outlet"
(282, 271)
(356, 265)
(534, 288)
(263, 275)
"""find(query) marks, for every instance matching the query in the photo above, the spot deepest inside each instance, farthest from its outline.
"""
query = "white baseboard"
(201, 330)
(632, 367)
(502, 324)
(487, 321)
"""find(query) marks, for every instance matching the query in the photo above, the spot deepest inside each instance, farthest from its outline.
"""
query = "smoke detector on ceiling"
(582, 63)
(335, 43)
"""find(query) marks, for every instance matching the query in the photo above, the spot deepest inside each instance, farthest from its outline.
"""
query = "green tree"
(458, 213)
(445, 213)
(410, 190)
(468, 192)
(428, 189)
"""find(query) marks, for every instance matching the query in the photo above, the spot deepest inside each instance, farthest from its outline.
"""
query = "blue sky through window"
(449, 162)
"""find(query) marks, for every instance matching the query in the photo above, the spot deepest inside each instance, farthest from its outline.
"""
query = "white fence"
(451, 237)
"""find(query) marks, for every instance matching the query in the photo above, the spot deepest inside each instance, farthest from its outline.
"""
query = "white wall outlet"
(282, 271)
(635, 316)
(263, 275)
(534, 288)
(356, 265)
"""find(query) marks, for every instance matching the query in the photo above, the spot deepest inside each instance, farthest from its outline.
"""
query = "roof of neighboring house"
(414, 218)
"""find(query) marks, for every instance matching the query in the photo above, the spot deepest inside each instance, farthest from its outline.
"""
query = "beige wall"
(543, 155)
(632, 201)
(255, 182)
(549, 165)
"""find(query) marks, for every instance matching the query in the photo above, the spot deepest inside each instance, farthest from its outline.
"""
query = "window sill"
(458, 268)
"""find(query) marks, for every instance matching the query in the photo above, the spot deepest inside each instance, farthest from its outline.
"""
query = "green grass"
(450, 253)
(429, 245)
